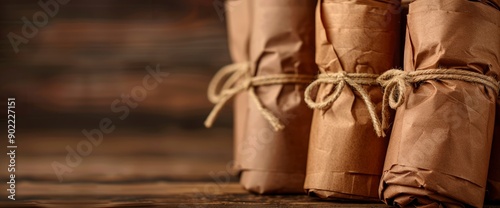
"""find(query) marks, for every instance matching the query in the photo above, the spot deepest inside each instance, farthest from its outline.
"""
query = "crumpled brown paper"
(440, 145)
(238, 27)
(345, 154)
(282, 41)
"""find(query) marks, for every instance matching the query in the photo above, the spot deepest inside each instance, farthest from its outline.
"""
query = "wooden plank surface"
(126, 156)
(159, 194)
(171, 169)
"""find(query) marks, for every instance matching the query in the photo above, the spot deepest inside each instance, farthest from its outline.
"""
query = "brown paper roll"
(282, 41)
(238, 28)
(345, 154)
(441, 139)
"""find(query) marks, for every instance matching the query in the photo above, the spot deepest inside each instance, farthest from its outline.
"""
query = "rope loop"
(236, 78)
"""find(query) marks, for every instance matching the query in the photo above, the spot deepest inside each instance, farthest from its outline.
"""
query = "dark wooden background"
(66, 77)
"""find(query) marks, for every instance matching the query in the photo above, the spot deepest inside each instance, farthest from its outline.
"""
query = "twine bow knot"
(339, 81)
(394, 84)
(239, 79)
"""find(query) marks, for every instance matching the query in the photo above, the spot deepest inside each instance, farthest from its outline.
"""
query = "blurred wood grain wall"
(92, 51)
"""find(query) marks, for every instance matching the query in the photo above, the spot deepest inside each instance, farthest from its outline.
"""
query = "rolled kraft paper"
(238, 27)
(282, 42)
(345, 155)
(493, 185)
(440, 144)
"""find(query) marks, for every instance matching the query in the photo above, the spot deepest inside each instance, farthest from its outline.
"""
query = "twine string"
(236, 78)
(395, 83)
(339, 80)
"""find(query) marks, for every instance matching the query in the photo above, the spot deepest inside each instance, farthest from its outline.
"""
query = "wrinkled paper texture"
(282, 41)
(345, 154)
(237, 14)
(440, 144)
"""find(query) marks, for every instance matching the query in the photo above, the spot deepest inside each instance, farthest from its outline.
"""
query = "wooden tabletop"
(175, 168)
(158, 194)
